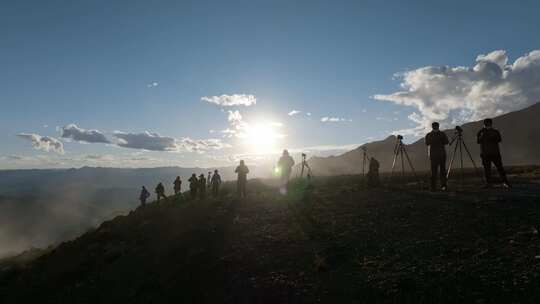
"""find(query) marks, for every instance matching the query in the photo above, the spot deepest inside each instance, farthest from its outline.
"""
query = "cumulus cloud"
(231, 100)
(454, 95)
(146, 141)
(72, 131)
(152, 84)
(201, 145)
(334, 119)
(293, 112)
(44, 143)
(154, 142)
(237, 126)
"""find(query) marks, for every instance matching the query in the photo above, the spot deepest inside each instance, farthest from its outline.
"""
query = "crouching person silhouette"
(160, 191)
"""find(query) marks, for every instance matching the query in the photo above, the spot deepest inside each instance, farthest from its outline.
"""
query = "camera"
(459, 130)
(399, 137)
(304, 155)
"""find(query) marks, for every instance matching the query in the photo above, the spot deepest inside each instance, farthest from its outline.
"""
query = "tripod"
(460, 145)
(399, 151)
(305, 166)
(365, 159)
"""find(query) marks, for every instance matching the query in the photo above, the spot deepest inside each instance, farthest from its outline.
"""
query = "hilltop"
(330, 241)
(520, 146)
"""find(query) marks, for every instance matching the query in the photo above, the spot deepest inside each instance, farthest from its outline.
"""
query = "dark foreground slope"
(333, 241)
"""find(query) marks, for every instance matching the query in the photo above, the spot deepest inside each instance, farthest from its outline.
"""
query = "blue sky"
(143, 66)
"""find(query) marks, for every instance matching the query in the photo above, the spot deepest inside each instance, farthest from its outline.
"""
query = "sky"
(206, 83)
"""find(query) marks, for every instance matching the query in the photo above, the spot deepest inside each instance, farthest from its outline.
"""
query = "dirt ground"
(330, 241)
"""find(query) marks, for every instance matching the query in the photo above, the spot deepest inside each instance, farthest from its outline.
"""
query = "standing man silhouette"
(285, 164)
(144, 196)
(177, 185)
(202, 186)
(436, 141)
(489, 139)
(242, 170)
(216, 182)
(193, 185)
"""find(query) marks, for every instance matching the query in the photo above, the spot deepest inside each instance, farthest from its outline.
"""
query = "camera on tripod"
(399, 137)
(304, 155)
(459, 130)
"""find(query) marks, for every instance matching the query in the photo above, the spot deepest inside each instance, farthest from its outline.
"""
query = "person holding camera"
(436, 141)
(489, 139)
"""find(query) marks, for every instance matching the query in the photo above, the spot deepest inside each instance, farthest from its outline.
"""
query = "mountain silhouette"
(520, 146)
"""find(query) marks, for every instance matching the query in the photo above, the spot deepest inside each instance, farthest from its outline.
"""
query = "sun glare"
(262, 138)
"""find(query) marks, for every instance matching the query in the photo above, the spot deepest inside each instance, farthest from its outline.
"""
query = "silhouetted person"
(209, 179)
(489, 140)
(437, 140)
(193, 185)
(216, 182)
(242, 171)
(285, 164)
(160, 191)
(202, 186)
(177, 185)
(144, 196)
(373, 172)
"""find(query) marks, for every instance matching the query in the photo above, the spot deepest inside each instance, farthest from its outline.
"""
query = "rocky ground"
(331, 241)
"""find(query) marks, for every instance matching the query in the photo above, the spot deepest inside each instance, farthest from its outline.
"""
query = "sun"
(262, 138)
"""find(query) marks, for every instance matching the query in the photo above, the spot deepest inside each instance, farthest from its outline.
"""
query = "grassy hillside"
(330, 241)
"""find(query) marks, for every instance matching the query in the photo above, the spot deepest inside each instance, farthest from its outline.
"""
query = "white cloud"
(72, 131)
(154, 142)
(231, 100)
(201, 145)
(335, 119)
(293, 112)
(146, 141)
(44, 143)
(237, 127)
(454, 95)
(152, 84)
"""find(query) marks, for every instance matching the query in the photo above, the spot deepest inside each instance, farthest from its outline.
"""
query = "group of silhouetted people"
(488, 138)
(197, 187)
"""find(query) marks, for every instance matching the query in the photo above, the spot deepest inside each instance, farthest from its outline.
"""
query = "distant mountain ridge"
(520, 146)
